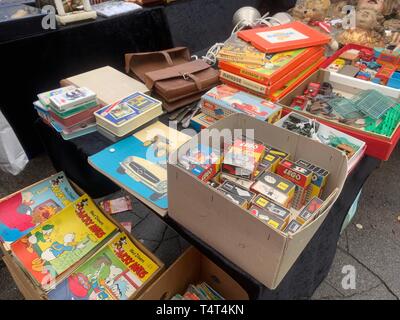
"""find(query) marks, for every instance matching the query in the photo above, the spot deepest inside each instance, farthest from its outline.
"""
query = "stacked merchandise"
(202, 291)
(69, 110)
(284, 193)
(270, 62)
(119, 119)
(68, 248)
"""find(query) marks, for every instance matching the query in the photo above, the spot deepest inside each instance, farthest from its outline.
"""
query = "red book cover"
(280, 65)
(285, 37)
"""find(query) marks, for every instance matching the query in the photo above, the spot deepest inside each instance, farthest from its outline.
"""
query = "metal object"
(245, 17)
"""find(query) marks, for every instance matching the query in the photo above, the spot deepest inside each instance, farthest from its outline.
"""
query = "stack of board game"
(117, 120)
(270, 62)
(69, 249)
(69, 110)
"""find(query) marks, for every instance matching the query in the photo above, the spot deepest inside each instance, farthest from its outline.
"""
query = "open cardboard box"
(378, 146)
(265, 253)
(32, 292)
(192, 267)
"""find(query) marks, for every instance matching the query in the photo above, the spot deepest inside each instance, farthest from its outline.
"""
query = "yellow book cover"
(54, 246)
(115, 272)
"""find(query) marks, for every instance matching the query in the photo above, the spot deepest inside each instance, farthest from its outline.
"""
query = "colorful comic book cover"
(138, 163)
(127, 108)
(24, 210)
(115, 272)
(54, 246)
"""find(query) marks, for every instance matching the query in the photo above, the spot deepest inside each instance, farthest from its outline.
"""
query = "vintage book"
(109, 84)
(25, 209)
(83, 130)
(237, 50)
(44, 97)
(75, 118)
(138, 163)
(118, 205)
(72, 99)
(56, 245)
(125, 115)
(223, 101)
(290, 36)
(283, 65)
(115, 272)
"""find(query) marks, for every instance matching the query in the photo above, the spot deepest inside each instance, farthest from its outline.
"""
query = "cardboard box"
(265, 253)
(192, 267)
(378, 146)
(32, 292)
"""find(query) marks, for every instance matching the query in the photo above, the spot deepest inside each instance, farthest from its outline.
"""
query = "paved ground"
(370, 246)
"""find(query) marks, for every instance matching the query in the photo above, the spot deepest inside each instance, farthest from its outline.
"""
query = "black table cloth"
(37, 63)
(303, 278)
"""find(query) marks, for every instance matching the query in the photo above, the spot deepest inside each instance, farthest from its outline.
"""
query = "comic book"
(54, 246)
(22, 211)
(138, 163)
(115, 272)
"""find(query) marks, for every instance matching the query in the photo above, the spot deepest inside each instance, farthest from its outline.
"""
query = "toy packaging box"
(272, 208)
(309, 212)
(237, 190)
(201, 121)
(318, 181)
(300, 176)
(202, 161)
(292, 227)
(276, 188)
(223, 101)
(273, 221)
(244, 183)
(71, 99)
(242, 158)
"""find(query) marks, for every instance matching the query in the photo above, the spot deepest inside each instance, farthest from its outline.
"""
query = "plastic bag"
(13, 158)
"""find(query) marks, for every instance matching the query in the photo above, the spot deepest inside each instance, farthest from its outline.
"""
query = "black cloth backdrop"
(37, 63)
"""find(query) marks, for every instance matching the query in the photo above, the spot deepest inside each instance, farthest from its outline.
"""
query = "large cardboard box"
(265, 253)
(192, 267)
(32, 292)
(378, 146)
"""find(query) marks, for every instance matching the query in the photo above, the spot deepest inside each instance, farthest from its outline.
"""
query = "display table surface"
(306, 274)
(37, 63)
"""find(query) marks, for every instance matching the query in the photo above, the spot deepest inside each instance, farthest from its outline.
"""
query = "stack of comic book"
(270, 62)
(201, 291)
(68, 248)
(69, 110)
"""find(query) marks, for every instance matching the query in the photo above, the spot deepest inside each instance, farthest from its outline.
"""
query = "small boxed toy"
(244, 183)
(279, 153)
(318, 181)
(202, 121)
(261, 169)
(272, 208)
(270, 160)
(269, 219)
(310, 210)
(300, 176)
(237, 190)
(292, 227)
(72, 99)
(202, 161)
(242, 158)
(276, 188)
(234, 198)
(223, 101)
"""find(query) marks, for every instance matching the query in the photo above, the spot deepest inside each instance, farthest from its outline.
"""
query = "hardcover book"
(56, 245)
(126, 115)
(138, 163)
(115, 272)
(24, 210)
(290, 36)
